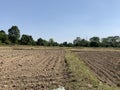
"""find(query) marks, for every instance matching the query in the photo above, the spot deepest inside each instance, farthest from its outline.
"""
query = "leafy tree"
(3, 37)
(56, 44)
(65, 44)
(70, 45)
(14, 34)
(111, 41)
(27, 40)
(96, 39)
(84, 43)
(42, 42)
(77, 41)
(95, 42)
(61, 45)
(116, 41)
(106, 42)
(51, 42)
(45, 43)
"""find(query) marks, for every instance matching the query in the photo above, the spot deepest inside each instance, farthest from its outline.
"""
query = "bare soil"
(32, 69)
(105, 64)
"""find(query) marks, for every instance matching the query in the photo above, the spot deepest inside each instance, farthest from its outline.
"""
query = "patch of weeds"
(80, 77)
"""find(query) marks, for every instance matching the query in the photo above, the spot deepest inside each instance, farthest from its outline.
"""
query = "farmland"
(47, 68)
(105, 64)
(31, 69)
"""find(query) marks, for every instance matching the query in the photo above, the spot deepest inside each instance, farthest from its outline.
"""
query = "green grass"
(81, 77)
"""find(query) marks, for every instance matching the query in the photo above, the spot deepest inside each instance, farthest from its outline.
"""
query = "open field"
(47, 68)
(31, 69)
(81, 77)
(105, 64)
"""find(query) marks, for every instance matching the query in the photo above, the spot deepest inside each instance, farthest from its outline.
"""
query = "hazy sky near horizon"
(63, 20)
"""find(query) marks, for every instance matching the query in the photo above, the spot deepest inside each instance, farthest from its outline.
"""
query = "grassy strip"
(81, 77)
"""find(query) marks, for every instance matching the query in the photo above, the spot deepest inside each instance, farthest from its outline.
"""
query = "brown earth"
(105, 64)
(32, 69)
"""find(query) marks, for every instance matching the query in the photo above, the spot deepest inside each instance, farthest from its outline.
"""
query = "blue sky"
(63, 20)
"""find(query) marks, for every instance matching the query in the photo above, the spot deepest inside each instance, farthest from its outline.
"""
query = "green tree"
(3, 37)
(95, 42)
(51, 42)
(116, 41)
(77, 41)
(105, 42)
(56, 44)
(70, 45)
(65, 44)
(14, 34)
(111, 41)
(84, 43)
(27, 40)
(42, 42)
(61, 45)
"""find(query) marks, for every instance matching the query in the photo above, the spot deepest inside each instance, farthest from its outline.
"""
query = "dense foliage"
(26, 40)
(13, 38)
(14, 34)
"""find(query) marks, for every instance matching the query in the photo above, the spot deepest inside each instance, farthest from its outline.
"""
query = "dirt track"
(106, 65)
(31, 69)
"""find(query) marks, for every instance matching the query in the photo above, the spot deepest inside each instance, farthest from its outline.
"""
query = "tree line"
(14, 38)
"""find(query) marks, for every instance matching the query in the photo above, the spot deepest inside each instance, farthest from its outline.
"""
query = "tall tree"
(111, 41)
(26, 40)
(51, 42)
(3, 37)
(70, 44)
(105, 42)
(65, 43)
(84, 43)
(42, 42)
(77, 41)
(95, 42)
(116, 41)
(14, 34)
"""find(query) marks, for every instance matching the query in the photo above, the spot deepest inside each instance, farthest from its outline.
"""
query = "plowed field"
(105, 64)
(31, 69)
